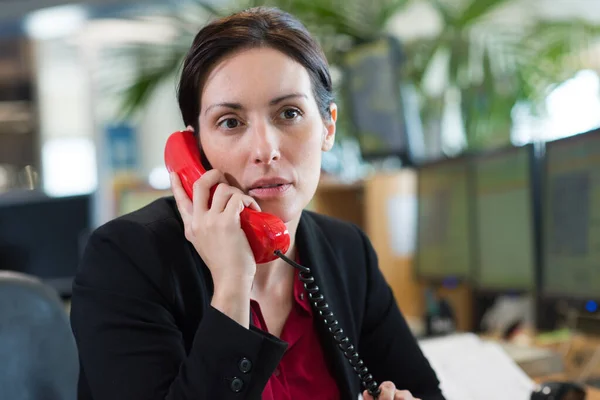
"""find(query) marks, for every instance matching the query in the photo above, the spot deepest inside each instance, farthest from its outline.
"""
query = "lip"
(275, 187)
(271, 192)
(276, 180)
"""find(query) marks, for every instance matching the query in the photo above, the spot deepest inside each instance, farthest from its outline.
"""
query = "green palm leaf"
(493, 64)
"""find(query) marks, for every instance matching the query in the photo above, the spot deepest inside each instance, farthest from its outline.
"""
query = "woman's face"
(260, 125)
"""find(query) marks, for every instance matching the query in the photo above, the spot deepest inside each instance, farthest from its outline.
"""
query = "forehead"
(255, 74)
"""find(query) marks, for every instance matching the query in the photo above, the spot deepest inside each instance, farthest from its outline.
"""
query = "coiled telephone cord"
(333, 326)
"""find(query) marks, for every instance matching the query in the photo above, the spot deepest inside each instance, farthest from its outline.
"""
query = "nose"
(265, 144)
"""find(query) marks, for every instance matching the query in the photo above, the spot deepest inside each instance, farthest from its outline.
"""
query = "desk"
(592, 393)
(530, 361)
(578, 350)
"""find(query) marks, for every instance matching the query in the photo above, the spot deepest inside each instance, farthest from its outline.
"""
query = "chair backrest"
(38, 354)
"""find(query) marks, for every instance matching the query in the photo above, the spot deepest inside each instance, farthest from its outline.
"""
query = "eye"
(229, 123)
(290, 113)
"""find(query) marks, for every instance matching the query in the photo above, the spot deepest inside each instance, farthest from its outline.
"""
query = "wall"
(74, 71)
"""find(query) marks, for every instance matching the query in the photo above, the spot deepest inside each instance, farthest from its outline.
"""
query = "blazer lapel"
(316, 254)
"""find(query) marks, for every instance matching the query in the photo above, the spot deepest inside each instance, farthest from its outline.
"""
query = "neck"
(269, 276)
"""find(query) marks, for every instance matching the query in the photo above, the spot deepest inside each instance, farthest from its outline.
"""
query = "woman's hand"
(389, 392)
(216, 233)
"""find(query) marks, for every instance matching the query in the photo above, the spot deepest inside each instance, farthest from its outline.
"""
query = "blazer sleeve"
(387, 344)
(129, 344)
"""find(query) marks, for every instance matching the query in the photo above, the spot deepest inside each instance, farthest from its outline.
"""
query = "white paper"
(470, 369)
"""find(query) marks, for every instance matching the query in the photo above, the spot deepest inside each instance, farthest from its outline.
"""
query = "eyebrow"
(286, 97)
(238, 106)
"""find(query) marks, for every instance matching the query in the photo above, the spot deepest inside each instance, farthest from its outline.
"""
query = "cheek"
(307, 158)
(216, 154)
(307, 149)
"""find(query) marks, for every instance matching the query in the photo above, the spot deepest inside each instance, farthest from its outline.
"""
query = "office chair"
(38, 355)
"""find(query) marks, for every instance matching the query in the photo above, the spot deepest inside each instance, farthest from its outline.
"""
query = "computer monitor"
(443, 223)
(383, 111)
(44, 236)
(505, 233)
(571, 218)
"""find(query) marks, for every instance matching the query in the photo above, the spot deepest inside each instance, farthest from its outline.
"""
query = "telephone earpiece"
(266, 233)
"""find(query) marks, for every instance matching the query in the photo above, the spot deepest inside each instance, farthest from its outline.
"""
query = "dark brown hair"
(255, 27)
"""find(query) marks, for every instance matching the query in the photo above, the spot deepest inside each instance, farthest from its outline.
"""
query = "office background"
(468, 148)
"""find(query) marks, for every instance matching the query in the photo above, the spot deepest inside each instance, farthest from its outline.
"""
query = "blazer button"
(236, 385)
(245, 365)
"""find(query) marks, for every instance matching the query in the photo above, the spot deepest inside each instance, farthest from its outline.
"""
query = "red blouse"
(302, 373)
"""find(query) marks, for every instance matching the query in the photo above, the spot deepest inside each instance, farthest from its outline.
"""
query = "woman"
(169, 302)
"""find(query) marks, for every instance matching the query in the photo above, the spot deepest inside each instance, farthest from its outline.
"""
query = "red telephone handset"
(266, 233)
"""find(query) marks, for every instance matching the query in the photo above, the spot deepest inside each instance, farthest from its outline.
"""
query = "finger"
(367, 396)
(388, 390)
(221, 196)
(237, 203)
(184, 204)
(202, 188)
(250, 202)
(253, 204)
(403, 395)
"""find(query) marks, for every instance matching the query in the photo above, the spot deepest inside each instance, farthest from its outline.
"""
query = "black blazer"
(145, 329)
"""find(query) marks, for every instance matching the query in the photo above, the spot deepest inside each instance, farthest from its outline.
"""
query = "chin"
(287, 213)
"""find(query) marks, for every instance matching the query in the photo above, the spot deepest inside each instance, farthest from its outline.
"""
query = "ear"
(329, 129)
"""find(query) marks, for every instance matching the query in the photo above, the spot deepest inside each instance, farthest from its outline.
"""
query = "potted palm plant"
(488, 66)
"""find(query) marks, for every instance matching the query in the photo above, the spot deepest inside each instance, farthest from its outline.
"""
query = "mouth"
(269, 183)
(273, 185)
(269, 189)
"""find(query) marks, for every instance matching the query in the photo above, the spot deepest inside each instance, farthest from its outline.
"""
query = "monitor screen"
(571, 217)
(44, 236)
(504, 220)
(374, 100)
(443, 249)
